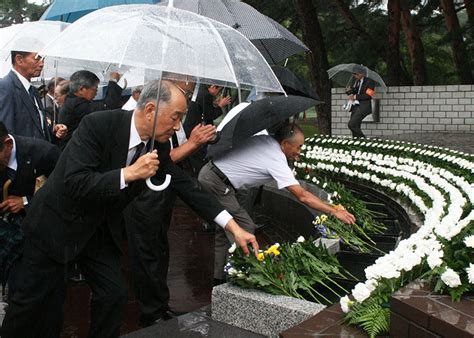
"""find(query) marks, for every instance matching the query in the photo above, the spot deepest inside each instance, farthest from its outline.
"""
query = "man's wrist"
(128, 175)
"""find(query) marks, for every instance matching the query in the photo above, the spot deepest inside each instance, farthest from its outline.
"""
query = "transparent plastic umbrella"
(161, 39)
(342, 75)
(158, 38)
(26, 37)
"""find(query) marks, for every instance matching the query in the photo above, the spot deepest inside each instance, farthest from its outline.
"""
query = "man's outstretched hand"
(242, 237)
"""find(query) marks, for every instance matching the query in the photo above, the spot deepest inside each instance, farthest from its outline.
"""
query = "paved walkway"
(457, 141)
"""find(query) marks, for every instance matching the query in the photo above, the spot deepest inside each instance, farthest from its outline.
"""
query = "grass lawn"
(308, 125)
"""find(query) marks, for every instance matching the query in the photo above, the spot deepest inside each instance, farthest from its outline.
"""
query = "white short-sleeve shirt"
(257, 162)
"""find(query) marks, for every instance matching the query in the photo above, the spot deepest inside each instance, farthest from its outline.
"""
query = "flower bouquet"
(301, 270)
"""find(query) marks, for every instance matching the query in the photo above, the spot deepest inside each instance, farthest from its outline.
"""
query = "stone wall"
(412, 110)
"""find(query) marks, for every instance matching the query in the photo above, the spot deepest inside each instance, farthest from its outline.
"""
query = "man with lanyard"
(361, 96)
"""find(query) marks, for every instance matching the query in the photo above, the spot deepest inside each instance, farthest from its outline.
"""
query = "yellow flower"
(273, 250)
(260, 256)
(324, 218)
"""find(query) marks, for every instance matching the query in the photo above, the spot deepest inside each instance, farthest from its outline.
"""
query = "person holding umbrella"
(360, 94)
(77, 216)
(255, 161)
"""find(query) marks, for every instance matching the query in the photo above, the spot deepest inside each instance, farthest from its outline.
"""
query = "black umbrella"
(274, 41)
(293, 84)
(257, 116)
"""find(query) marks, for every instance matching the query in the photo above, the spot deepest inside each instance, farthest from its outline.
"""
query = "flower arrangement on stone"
(358, 236)
(301, 269)
(439, 184)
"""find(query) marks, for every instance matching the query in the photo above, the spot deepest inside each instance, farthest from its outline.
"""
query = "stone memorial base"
(258, 311)
(261, 312)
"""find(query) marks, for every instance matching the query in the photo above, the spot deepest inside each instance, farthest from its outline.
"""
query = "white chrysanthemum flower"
(469, 241)
(360, 292)
(435, 259)
(470, 273)
(451, 278)
(300, 239)
(232, 248)
(346, 303)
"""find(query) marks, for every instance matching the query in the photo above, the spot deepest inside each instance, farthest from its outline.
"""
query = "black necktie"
(138, 150)
(174, 141)
(31, 92)
(356, 86)
(11, 174)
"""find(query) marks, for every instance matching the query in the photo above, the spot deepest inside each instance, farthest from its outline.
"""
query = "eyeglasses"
(187, 94)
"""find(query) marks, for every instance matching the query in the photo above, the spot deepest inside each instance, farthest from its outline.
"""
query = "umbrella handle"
(215, 139)
(5, 189)
(160, 187)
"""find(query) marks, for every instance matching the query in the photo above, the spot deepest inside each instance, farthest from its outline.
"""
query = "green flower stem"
(309, 287)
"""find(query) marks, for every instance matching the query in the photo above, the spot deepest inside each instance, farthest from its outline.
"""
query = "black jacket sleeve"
(113, 97)
(186, 187)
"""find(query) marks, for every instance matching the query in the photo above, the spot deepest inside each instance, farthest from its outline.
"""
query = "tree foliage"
(362, 35)
(18, 11)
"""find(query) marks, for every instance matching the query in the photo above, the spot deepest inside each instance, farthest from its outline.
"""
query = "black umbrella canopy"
(293, 84)
(274, 41)
(257, 116)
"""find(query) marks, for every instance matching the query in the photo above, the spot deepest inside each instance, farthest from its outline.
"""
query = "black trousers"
(147, 220)
(35, 308)
(355, 122)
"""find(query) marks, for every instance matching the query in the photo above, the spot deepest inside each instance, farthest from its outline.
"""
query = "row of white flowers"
(454, 157)
(419, 181)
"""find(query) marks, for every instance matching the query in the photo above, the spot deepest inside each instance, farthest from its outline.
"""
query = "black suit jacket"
(365, 100)
(18, 112)
(201, 111)
(83, 192)
(34, 158)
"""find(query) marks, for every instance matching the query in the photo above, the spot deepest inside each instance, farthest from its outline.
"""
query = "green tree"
(18, 11)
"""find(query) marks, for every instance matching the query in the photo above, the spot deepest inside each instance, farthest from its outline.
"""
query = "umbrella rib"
(226, 53)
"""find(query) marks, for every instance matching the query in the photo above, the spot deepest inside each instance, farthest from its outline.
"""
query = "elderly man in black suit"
(77, 215)
(21, 110)
(22, 160)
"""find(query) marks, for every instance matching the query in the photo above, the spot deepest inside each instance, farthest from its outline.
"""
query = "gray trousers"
(225, 194)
